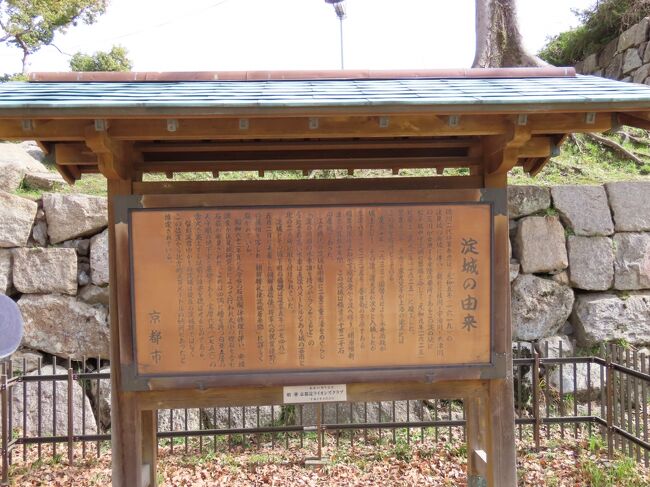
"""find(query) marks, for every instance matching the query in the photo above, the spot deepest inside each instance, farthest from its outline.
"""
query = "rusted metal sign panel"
(291, 288)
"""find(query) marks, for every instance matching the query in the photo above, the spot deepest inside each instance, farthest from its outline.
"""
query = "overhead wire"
(150, 27)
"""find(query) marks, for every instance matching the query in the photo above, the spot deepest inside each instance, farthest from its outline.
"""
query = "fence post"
(4, 405)
(537, 424)
(610, 403)
(70, 415)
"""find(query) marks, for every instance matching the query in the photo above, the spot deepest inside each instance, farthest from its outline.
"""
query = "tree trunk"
(498, 40)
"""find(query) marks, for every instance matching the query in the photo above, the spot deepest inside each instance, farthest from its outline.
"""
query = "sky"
(220, 35)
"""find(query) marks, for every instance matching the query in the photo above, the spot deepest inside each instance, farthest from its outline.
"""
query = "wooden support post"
(502, 471)
(128, 447)
(477, 448)
(149, 447)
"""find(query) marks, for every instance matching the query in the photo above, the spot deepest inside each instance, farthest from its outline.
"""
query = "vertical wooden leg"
(125, 418)
(502, 460)
(476, 433)
(149, 445)
(126, 439)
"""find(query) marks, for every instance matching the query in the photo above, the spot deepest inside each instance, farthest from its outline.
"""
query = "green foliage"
(596, 443)
(600, 24)
(13, 77)
(31, 24)
(117, 59)
(621, 472)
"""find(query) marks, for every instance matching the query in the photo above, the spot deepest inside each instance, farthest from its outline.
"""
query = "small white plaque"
(316, 393)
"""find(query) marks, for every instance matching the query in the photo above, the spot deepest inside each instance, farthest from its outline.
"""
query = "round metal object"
(11, 326)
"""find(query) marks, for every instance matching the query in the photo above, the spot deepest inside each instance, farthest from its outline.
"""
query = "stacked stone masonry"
(580, 274)
(626, 58)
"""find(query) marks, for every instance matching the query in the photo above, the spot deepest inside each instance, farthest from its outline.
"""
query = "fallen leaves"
(562, 463)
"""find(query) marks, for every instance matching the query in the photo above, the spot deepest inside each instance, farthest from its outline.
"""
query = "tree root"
(615, 146)
(577, 143)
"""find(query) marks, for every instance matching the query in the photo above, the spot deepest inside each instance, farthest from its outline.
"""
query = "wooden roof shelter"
(126, 125)
(171, 122)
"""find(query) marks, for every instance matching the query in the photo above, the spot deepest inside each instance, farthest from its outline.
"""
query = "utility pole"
(339, 8)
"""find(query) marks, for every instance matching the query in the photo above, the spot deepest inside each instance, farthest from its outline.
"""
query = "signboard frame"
(135, 381)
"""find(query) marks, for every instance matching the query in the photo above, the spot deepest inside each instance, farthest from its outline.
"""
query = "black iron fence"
(55, 410)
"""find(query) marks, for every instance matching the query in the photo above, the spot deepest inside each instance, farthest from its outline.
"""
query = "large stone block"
(579, 380)
(178, 420)
(591, 263)
(6, 266)
(20, 155)
(11, 176)
(630, 203)
(15, 162)
(25, 361)
(632, 263)
(44, 180)
(61, 325)
(631, 61)
(607, 53)
(584, 209)
(540, 245)
(45, 270)
(556, 346)
(376, 412)
(46, 396)
(614, 70)
(604, 317)
(628, 38)
(590, 64)
(526, 200)
(99, 259)
(641, 74)
(74, 215)
(16, 219)
(642, 29)
(539, 307)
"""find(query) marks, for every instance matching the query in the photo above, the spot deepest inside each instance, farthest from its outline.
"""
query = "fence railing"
(56, 409)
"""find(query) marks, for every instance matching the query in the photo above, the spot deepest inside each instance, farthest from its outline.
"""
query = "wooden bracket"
(501, 152)
(111, 154)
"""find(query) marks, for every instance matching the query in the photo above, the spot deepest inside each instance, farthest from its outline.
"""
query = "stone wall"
(580, 271)
(626, 58)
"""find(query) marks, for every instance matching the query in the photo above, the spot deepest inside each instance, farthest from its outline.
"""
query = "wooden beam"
(329, 127)
(565, 123)
(307, 164)
(356, 392)
(111, 154)
(74, 154)
(70, 174)
(289, 146)
(537, 147)
(300, 185)
(300, 128)
(45, 130)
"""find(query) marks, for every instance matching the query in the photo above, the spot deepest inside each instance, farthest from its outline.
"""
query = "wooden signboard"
(253, 290)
